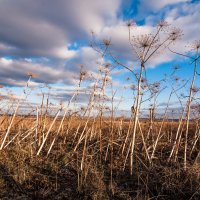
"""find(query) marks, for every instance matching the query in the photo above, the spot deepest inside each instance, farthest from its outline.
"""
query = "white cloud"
(45, 29)
(41, 28)
(15, 73)
(121, 48)
(86, 57)
(185, 16)
(63, 53)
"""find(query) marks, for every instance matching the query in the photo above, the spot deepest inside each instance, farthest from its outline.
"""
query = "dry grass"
(88, 172)
(79, 153)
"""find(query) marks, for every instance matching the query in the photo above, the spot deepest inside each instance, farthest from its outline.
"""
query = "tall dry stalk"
(15, 113)
(48, 132)
(145, 47)
(189, 105)
(192, 91)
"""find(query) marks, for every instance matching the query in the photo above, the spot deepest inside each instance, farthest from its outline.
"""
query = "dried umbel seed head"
(176, 67)
(32, 75)
(195, 89)
(176, 79)
(182, 95)
(103, 69)
(107, 65)
(175, 34)
(144, 86)
(82, 109)
(107, 108)
(143, 80)
(106, 42)
(107, 79)
(130, 23)
(151, 106)
(195, 45)
(197, 42)
(92, 32)
(144, 41)
(83, 74)
(163, 24)
(156, 85)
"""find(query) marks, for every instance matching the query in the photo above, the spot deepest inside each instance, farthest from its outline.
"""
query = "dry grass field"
(89, 159)
(79, 148)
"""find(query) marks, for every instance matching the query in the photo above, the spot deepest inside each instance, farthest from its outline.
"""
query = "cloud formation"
(50, 38)
(45, 28)
(15, 73)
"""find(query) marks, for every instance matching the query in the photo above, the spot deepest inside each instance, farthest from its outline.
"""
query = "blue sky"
(51, 39)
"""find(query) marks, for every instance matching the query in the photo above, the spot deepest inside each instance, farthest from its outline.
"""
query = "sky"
(51, 39)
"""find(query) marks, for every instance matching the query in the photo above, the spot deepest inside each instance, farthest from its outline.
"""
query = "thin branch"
(181, 54)
(121, 64)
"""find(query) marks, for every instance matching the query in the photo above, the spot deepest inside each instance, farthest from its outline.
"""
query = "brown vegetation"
(89, 153)
(80, 167)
